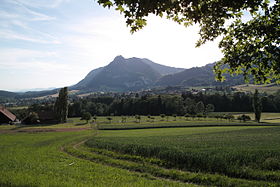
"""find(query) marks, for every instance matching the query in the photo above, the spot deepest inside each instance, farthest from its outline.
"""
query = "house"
(6, 116)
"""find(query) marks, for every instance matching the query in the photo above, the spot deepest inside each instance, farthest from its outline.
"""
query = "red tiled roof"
(7, 113)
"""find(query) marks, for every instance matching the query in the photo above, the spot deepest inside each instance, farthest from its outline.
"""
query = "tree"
(209, 108)
(86, 116)
(229, 117)
(249, 47)
(31, 118)
(257, 106)
(138, 117)
(190, 106)
(187, 116)
(123, 119)
(200, 107)
(94, 118)
(109, 119)
(244, 118)
(174, 116)
(61, 105)
(162, 116)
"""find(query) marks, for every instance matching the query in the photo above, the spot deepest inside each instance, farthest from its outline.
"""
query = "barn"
(6, 116)
(47, 117)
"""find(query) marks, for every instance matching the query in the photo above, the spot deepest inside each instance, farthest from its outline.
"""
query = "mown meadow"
(37, 159)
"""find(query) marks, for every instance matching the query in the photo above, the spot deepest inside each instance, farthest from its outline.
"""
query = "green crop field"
(248, 153)
(201, 152)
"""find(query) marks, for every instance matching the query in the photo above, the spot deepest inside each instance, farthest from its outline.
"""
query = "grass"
(243, 152)
(221, 154)
(35, 159)
(71, 123)
(173, 124)
(270, 118)
(17, 107)
(268, 88)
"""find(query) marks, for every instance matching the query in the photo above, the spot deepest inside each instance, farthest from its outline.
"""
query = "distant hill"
(124, 75)
(29, 94)
(197, 76)
(35, 89)
(7, 94)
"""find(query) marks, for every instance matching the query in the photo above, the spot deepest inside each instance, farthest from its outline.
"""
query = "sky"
(55, 43)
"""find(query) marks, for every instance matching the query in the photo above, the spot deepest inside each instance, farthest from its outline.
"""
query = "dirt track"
(38, 130)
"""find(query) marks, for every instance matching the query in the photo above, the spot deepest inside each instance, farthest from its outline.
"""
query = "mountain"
(135, 74)
(88, 78)
(162, 69)
(122, 75)
(197, 76)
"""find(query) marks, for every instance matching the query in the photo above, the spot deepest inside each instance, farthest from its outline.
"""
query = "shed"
(6, 116)
(47, 117)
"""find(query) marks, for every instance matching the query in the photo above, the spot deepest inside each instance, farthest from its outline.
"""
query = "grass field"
(36, 159)
(220, 154)
(268, 117)
(269, 88)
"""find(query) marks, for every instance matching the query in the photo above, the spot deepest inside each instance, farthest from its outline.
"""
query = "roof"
(7, 113)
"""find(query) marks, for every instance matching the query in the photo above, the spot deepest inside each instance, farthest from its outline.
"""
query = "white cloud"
(10, 35)
(23, 12)
(42, 3)
(18, 24)
(19, 58)
(22, 68)
(8, 15)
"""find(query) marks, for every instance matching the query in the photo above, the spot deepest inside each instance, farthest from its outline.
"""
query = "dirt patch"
(39, 130)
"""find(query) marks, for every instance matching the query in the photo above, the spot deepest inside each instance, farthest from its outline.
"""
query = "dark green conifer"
(61, 105)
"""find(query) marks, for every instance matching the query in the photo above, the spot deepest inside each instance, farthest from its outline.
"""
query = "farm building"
(6, 116)
(43, 117)
(47, 117)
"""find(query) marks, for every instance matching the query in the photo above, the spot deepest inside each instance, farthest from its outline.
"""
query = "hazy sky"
(55, 43)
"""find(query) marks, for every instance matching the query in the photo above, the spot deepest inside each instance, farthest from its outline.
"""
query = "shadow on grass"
(132, 127)
(80, 124)
(33, 125)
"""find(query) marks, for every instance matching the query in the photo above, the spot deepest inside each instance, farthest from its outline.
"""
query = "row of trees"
(186, 103)
(152, 105)
(87, 117)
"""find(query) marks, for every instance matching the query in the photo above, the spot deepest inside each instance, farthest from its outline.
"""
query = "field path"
(40, 130)
(78, 144)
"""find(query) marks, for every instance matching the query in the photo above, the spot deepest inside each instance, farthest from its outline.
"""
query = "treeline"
(181, 104)
(186, 103)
